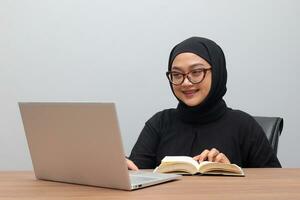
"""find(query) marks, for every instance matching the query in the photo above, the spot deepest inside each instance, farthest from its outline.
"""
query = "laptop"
(81, 143)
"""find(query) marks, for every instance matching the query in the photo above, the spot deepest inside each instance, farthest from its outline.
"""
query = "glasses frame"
(186, 75)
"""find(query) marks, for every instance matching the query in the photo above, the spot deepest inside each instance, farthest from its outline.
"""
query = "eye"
(176, 75)
(197, 72)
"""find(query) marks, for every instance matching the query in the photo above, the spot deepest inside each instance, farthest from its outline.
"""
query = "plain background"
(71, 50)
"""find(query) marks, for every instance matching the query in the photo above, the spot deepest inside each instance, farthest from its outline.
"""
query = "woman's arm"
(143, 153)
(259, 150)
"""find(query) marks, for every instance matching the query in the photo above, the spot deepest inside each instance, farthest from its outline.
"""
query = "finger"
(222, 158)
(212, 154)
(202, 156)
(131, 165)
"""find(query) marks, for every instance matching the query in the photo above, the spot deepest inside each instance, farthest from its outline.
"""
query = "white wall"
(68, 50)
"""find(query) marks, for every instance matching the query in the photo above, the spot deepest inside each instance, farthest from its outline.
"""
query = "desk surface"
(258, 184)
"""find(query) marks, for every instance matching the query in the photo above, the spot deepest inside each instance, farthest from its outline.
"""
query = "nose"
(186, 82)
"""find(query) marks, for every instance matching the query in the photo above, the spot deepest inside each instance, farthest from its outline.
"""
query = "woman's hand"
(212, 155)
(131, 165)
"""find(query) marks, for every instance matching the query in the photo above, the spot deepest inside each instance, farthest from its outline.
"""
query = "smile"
(190, 93)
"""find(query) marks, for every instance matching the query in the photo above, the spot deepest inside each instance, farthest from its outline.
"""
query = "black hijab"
(213, 106)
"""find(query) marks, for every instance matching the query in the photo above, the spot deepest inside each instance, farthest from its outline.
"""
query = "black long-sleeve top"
(236, 134)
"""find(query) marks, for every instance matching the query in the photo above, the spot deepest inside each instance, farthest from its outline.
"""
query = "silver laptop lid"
(76, 143)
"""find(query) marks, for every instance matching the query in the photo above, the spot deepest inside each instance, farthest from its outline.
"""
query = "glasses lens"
(196, 76)
(176, 77)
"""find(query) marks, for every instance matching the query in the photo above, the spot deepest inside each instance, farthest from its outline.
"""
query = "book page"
(217, 168)
(204, 163)
(181, 159)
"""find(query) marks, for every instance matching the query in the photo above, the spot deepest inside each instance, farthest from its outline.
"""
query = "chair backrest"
(272, 127)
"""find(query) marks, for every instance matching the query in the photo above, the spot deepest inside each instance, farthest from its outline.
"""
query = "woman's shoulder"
(163, 116)
(244, 122)
(239, 116)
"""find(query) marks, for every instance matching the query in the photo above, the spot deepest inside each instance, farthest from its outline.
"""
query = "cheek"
(206, 84)
(176, 90)
(205, 88)
(204, 92)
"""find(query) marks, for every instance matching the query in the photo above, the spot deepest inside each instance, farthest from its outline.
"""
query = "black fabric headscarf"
(213, 106)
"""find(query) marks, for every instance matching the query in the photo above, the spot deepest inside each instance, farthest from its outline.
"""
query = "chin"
(191, 103)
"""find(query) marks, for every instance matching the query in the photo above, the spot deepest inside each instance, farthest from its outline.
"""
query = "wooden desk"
(258, 184)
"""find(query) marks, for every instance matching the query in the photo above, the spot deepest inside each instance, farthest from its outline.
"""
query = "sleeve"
(259, 152)
(144, 151)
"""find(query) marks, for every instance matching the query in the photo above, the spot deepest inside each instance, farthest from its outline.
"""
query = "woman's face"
(191, 94)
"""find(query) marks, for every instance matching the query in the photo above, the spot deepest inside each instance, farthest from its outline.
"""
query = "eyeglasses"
(195, 76)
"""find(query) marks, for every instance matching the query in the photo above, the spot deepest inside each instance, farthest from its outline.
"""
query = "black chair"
(272, 127)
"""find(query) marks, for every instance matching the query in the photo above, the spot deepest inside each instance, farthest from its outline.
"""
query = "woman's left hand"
(212, 155)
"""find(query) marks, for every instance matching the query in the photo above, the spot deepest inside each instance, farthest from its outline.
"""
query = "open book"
(187, 165)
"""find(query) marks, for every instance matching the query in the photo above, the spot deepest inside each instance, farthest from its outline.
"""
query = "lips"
(190, 93)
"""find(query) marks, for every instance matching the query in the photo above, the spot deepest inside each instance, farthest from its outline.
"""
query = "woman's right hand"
(212, 155)
(131, 165)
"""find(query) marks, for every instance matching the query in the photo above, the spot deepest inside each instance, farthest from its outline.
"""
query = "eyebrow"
(191, 66)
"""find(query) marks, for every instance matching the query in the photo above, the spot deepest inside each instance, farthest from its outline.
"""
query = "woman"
(201, 126)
